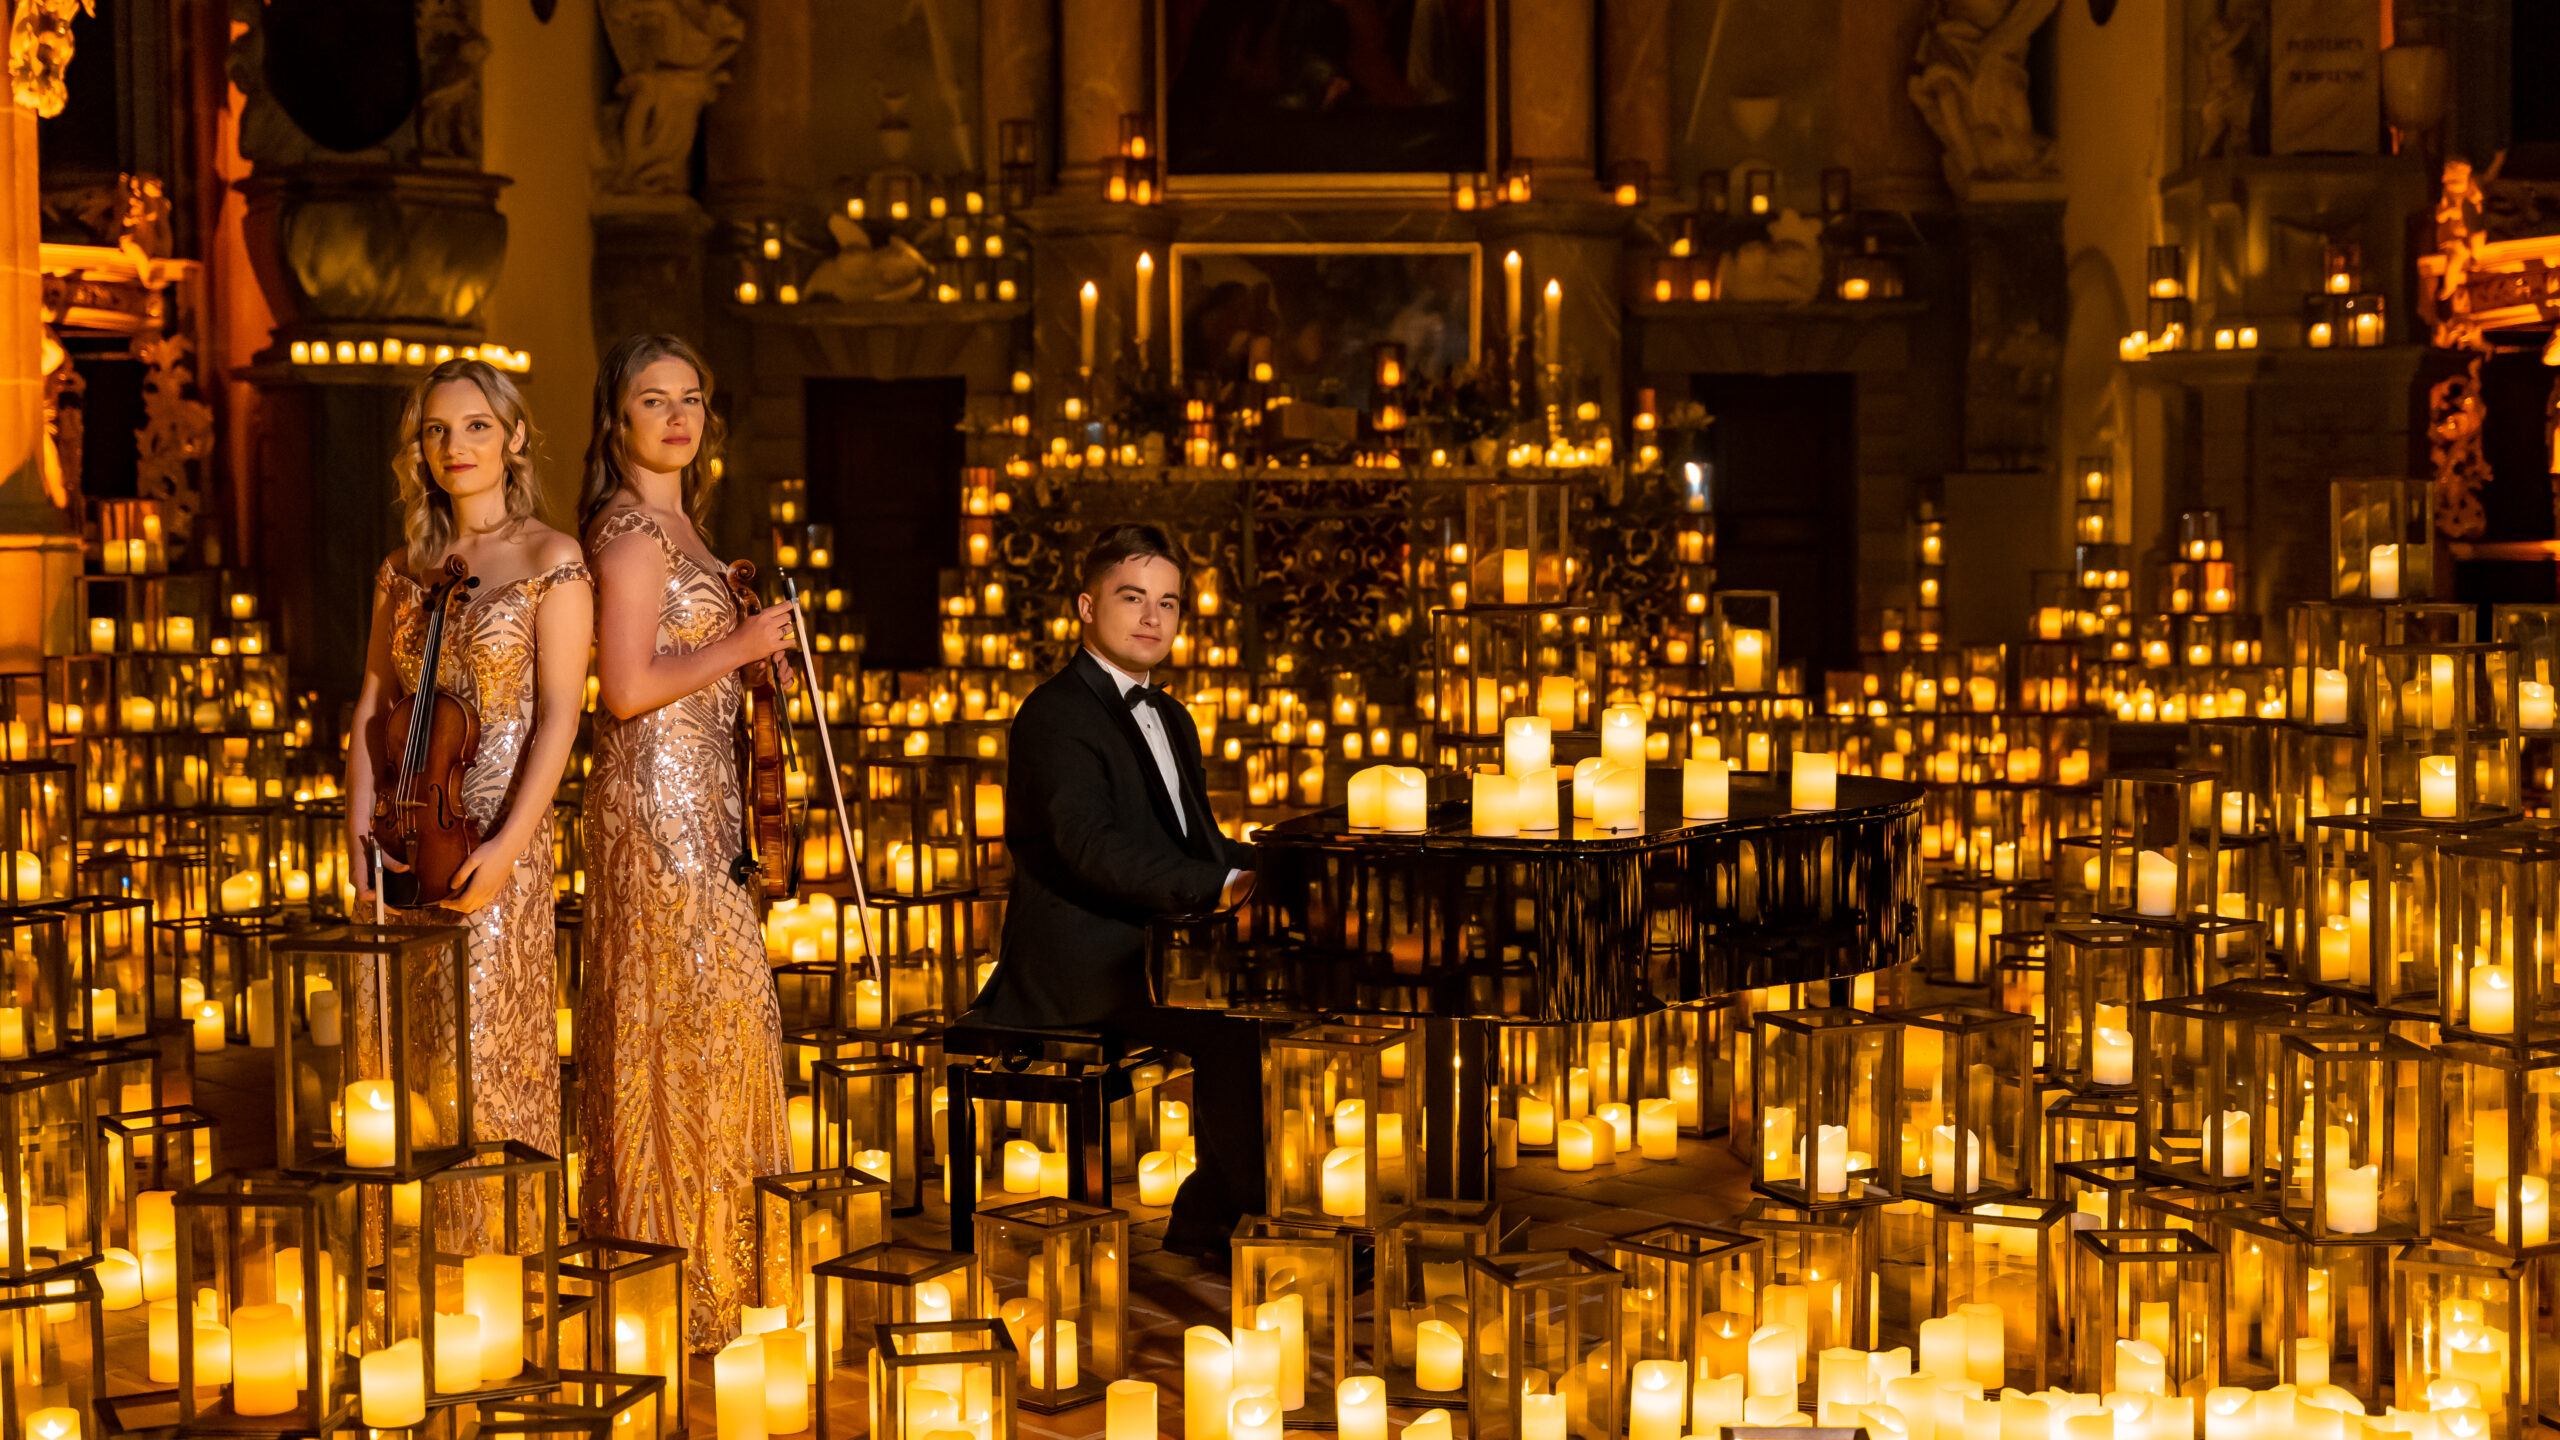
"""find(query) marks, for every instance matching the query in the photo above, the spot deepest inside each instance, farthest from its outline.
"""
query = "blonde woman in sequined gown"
(516, 652)
(680, 1038)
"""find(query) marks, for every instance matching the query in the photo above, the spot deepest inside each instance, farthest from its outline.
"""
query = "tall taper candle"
(1146, 304)
(1551, 335)
(1511, 300)
(1091, 299)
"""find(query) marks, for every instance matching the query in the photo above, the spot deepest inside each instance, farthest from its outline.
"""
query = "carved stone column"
(1892, 157)
(39, 543)
(758, 147)
(1103, 70)
(1551, 77)
(1016, 54)
(1635, 85)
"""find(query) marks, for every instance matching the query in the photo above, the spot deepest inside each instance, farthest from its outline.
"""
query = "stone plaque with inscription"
(2323, 79)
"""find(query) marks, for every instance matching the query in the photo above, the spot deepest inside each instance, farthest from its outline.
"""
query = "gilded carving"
(2455, 411)
(40, 51)
(177, 430)
(674, 56)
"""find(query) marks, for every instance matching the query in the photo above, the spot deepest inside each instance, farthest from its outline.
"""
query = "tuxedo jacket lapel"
(1106, 690)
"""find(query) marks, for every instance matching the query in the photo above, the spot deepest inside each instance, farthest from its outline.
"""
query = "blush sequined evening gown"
(679, 1034)
(488, 663)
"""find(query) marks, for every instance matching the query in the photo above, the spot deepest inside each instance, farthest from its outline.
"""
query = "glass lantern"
(37, 1019)
(1335, 1125)
(918, 817)
(1548, 1348)
(2096, 970)
(2007, 1254)
(1422, 1277)
(375, 1013)
(2496, 1117)
(2381, 539)
(1826, 1083)
(2467, 1326)
(587, 1405)
(2500, 960)
(2357, 1129)
(2162, 830)
(2198, 1090)
(1519, 543)
(932, 1377)
(113, 978)
(2442, 746)
(1746, 632)
(807, 1218)
(1297, 1276)
(639, 1295)
(860, 1292)
(1689, 1287)
(870, 1116)
(2296, 1313)
(1964, 1107)
(1809, 1275)
(480, 1229)
(2149, 1312)
(35, 831)
(269, 1351)
(2096, 1125)
(1963, 927)
(50, 1165)
(1056, 1274)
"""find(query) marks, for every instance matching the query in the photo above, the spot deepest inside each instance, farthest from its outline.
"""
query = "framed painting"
(1319, 311)
(1369, 94)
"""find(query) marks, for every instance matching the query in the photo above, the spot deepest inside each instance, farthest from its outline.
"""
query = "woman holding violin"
(454, 787)
(679, 1034)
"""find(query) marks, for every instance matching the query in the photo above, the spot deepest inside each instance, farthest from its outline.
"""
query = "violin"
(418, 817)
(768, 860)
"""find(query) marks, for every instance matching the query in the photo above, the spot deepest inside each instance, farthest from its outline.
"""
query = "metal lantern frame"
(1421, 1274)
(869, 1111)
(406, 989)
(2123, 1275)
(1326, 1095)
(2495, 1117)
(2442, 744)
(2499, 961)
(2167, 815)
(37, 952)
(1679, 1276)
(38, 813)
(1556, 1312)
(1820, 1072)
(1275, 1260)
(965, 1351)
(2280, 1289)
(2461, 1315)
(2367, 515)
(231, 1238)
(2198, 1090)
(2363, 1098)
(639, 1294)
(495, 1199)
(2010, 1253)
(1051, 1270)
(1819, 1251)
(52, 1167)
(1985, 1124)
(806, 1218)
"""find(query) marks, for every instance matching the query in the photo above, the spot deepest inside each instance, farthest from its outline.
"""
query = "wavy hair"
(427, 511)
(608, 444)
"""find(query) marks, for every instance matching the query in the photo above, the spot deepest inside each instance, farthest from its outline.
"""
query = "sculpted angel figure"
(673, 55)
(1970, 82)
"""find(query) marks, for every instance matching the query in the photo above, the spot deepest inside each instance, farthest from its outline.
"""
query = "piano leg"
(1461, 1167)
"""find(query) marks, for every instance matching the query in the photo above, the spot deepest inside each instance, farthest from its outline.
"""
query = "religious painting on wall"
(1255, 89)
(1318, 312)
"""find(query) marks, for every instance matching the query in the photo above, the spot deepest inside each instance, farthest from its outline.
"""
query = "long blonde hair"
(608, 443)
(428, 510)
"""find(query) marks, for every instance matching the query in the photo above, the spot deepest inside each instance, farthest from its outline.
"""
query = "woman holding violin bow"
(487, 611)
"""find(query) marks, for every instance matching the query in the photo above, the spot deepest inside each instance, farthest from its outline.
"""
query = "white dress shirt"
(1159, 743)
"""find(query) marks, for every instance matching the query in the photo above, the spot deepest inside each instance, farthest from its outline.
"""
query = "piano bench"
(1081, 1073)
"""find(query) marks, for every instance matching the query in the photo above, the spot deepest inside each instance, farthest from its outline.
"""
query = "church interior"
(1889, 664)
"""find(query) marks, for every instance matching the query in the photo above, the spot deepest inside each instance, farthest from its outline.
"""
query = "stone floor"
(1169, 1293)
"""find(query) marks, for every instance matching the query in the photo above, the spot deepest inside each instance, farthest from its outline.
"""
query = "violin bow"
(835, 778)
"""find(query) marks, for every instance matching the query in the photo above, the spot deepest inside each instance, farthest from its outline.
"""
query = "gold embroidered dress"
(488, 663)
(679, 1035)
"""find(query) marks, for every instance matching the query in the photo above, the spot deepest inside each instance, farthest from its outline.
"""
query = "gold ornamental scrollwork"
(40, 52)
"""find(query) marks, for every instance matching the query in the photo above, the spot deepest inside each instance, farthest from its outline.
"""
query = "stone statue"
(451, 50)
(40, 51)
(2231, 62)
(1786, 267)
(857, 271)
(1970, 82)
(673, 55)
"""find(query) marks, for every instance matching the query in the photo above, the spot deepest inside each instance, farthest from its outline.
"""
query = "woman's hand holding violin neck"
(769, 631)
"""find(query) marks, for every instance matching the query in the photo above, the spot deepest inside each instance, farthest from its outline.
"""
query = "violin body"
(423, 747)
(428, 831)
(768, 854)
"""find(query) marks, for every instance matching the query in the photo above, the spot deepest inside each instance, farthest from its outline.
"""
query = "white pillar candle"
(1985, 1345)
(393, 1383)
(2382, 572)
(1494, 803)
(1617, 796)
(2235, 1144)
(2328, 697)
(2155, 884)
(1657, 1401)
(1716, 1401)
(265, 1351)
(2536, 1193)
(372, 1141)
(737, 1381)
(119, 1279)
(210, 1035)
(1537, 1120)
(1528, 743)
(2111, 1048)
(1359, 1409)
(1815, 781)
(1575, 1144)
(1658, 1130)
(1515, 577)
(2491, 991)
(1841, 1384)
(1439, 1356)
(493, 1294)
(1622, 735)
(457, 1353)
(1773, 1361)
(1429, 1425)
(1407, 798)
(1208, 1371)
(56, 1423)
(1831, 1159)
(1543, 1417)
(2534, 709)
(2355, 1198)
(1157, 1183)
(1053, 1174)
(1345, 1189)
(2140, 1368)
(1706, 789)
(1021, 1168)
(2438, 798)
(1538, 790)
(1942, 1161)
(1750, 659)
(1142, 327)
(786, 1380)
(1254, 1415)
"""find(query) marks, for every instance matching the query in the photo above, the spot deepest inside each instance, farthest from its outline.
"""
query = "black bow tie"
(1147, 694)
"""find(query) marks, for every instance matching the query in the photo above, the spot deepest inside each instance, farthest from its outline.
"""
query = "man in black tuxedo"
(1107, 816)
